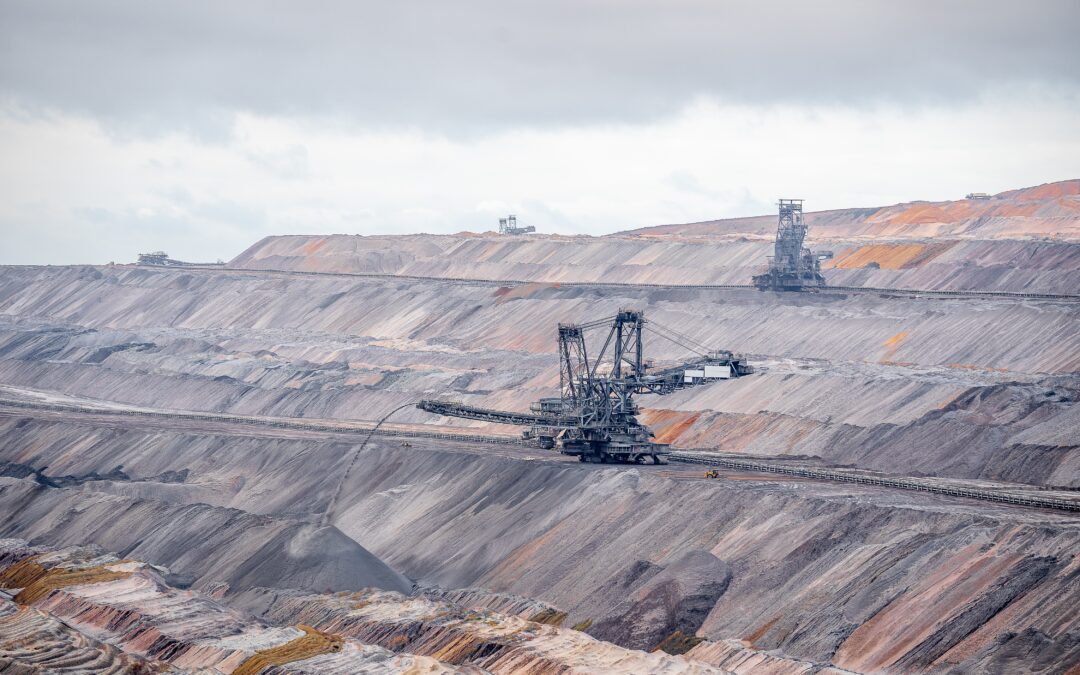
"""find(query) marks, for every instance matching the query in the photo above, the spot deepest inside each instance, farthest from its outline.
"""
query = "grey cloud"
(227, 213)
(290, 163)
(482, 65)
(541, 212)
(688, 182)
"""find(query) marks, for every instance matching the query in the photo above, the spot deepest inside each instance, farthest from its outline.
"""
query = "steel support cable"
(328, 514)
(684, 336)
(603, 350)
(676, 341)
(678, 338)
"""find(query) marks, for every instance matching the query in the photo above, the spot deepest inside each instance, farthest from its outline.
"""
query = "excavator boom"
(485, 414)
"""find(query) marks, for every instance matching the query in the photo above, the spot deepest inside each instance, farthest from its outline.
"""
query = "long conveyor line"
(275, 423)
(702, 458)
(870, 290)
(881, 481)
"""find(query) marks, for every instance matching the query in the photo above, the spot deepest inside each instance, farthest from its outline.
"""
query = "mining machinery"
(508, 225)
(595, 417)
(792, 267)
(162, 259)
(156, 258)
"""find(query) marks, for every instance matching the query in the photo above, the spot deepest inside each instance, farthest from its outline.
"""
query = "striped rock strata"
(82, 610)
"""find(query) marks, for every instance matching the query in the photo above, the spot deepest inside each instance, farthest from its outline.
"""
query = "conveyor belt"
(486, 414)
(687, 457)
(275, 423)
(881, 481)
(905, 292)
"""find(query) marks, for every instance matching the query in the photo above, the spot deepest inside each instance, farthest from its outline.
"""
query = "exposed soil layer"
(1050, 210)
(885, 383)
(204, 543)
(1017, 266)
(139, 623)
(1023, 241)
(821, 573)
(517, 558)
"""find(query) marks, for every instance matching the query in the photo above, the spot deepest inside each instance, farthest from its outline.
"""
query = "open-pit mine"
(656, 451)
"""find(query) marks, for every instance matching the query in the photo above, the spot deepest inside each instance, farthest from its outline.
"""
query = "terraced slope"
(1049, 210)
(745, 573)
(139, 623)
(207, 544)
(894, 384)
(1020, 241)
(816, 573)
(934, 264)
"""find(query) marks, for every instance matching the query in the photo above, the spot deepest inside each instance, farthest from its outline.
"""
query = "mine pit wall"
(930, 263)
(867, 579)
(1040, 212)
(203, 543)
(1003, 432)
(858, 379)
(830, 564)
(806, 569)
(151, 626)
(33, 642)
(462, 322)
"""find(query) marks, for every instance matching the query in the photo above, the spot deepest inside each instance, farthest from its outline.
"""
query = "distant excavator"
(595, 417)
(792, 267)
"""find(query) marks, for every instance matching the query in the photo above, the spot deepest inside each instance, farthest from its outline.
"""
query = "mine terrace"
(682, 449)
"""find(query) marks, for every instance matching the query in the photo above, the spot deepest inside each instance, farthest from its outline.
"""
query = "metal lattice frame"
(595, 415)
(792, 265)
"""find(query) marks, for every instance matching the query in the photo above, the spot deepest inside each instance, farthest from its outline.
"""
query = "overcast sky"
(200, 127)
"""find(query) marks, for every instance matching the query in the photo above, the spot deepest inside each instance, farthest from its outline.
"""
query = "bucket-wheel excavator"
(594, 417)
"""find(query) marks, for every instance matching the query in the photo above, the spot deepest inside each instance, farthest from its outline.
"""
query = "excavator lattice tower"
(792, 266)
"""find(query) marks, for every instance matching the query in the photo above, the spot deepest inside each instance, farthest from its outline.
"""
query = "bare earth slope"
(84, 610)
(1021, 241)
(886, 383)
(820, 573)
(209, 544)
(1050, 210)
(989, 265)
(748, 572)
